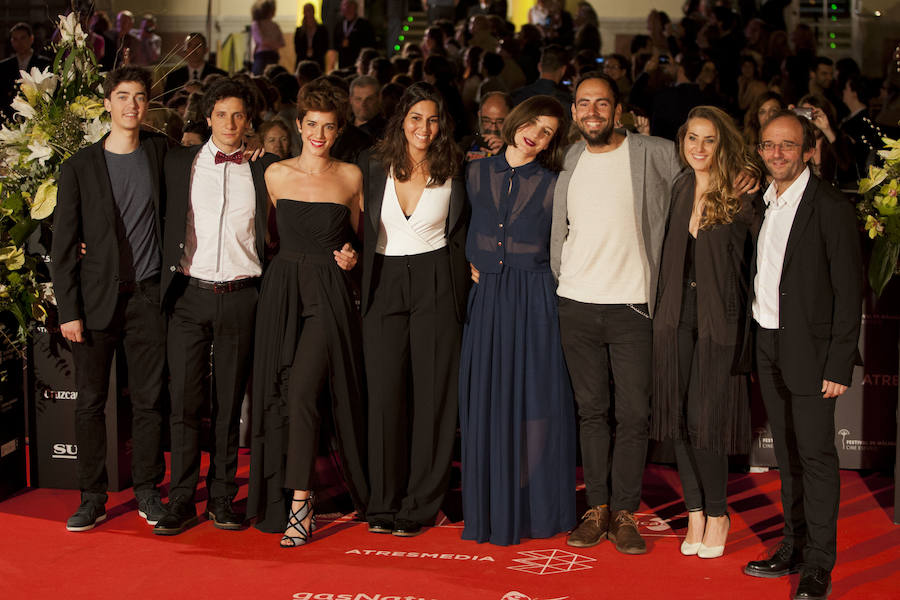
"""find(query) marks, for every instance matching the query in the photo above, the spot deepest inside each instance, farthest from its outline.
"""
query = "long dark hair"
(443, 156)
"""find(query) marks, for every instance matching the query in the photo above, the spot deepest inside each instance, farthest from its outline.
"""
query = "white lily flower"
(22, 108)
(70, 30)
(39, 152)
(12, 137)
(38, 83)
(94, 130)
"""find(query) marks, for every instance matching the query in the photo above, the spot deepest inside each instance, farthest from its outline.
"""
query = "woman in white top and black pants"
(414, 289)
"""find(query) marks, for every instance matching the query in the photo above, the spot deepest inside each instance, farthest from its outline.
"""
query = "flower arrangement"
(881, 215)
(57, 112)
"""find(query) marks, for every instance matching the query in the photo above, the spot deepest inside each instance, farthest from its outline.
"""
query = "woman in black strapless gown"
(308, 332)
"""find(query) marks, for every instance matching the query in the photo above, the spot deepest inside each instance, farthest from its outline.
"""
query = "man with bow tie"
(213, 254)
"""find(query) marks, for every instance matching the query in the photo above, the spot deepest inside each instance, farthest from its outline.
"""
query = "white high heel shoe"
(713, 551)
(688, 549)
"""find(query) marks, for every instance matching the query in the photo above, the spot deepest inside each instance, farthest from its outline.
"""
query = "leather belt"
(223, 287)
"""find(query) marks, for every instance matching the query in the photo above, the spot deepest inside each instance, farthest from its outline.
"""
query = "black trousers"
(595, 339)
(306, 380)
(703, 473)
(411, 339)
(803, 435)
(140, 327)
(200, 318)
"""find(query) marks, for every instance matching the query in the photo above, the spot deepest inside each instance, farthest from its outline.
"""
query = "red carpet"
(122, 559)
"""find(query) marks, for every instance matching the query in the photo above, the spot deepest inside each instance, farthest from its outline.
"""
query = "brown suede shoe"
(592, 530)
(624, 534)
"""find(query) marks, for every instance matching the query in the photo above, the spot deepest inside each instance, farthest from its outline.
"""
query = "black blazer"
(374, 180)
(87, 288)
(362, 35)
(9, 73)
(179, 77)
(179, 167)
(319, 45)
(820, 306)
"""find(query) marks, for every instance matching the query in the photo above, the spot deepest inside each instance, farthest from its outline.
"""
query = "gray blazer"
(654, 167)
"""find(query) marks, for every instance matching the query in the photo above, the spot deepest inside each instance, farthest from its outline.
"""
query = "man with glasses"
(487, 142)
(806, 304)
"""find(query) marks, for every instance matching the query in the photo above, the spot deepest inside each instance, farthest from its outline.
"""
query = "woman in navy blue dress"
(515, 404)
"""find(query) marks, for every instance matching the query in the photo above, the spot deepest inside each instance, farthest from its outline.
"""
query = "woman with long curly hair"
(700, 389)
(763, 108)
(414, 286)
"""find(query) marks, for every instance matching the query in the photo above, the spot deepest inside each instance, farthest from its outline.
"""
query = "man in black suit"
(554, 60)
(21, 38)
(351, 34)
(109, 200)
(213, 254)
(807, 299)
(197, 67)
(672, 105)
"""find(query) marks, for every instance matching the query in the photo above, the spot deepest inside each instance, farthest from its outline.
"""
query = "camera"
(804, 112)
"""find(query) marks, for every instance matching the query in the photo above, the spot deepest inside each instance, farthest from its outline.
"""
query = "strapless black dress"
(304, 276)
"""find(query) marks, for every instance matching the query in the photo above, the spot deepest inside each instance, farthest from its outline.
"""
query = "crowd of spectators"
(741, 60)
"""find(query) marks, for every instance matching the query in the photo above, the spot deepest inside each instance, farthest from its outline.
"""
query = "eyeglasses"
(786, 147)
(488, 123)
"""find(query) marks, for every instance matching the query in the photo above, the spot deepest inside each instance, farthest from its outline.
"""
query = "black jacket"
(374, 180)
(87, 288)
(9, 73)
(178, 168)
(820, 305)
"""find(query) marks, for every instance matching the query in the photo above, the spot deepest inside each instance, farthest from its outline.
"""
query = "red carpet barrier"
(865, 427)
(12, 423)
(54, 453)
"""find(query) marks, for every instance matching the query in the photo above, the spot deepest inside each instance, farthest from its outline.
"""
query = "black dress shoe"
(815, 584)
(180, 514)
(783, 561)
(222, 515)
(381, 526)
(404, 528)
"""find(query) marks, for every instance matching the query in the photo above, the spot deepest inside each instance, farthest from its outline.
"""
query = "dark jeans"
(139, 327)
(703, 473)
(803, 435)
(200, 318)
(597, 338)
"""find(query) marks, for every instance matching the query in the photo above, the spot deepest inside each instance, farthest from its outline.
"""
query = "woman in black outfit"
(414, 287)
(700, 391)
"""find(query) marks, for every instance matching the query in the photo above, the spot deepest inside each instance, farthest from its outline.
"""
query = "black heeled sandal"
(295, 521)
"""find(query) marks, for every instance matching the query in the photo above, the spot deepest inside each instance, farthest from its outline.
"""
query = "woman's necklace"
(305, 172)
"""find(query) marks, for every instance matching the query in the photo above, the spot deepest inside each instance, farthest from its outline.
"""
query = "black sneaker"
(87, 516)
(151, 509)
(180, 514)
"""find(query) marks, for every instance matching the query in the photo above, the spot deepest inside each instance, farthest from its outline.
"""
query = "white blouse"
(424, 231)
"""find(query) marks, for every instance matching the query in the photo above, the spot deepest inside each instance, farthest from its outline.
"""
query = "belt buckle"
(221, 287)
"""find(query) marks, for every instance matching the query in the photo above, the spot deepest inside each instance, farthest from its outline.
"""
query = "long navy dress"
(515, 400)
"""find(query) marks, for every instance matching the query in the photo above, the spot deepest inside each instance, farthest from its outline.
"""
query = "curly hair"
(721, 202)
(321, 95)
(127, 73)
(443, 156)
(229, 87)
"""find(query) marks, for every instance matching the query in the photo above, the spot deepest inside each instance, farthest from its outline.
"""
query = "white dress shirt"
(220, 237)
(770, 248)
(424, 231)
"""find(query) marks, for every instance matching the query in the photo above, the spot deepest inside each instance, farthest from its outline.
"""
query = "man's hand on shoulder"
(73, 331)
